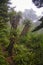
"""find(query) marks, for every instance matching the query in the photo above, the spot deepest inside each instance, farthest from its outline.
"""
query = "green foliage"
(3, 61)
(29, 51)
(4, 34)
(4, 10)
(4, 31)
(23, 56)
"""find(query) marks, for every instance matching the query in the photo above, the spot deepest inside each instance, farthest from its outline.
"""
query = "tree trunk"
(10, 47)
(14, 24)
(25, 30)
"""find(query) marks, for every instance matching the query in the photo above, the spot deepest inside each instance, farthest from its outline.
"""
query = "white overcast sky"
(21, 5)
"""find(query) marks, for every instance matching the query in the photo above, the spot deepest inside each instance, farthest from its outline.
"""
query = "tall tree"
(14, 21)
(4, 9)
(3, 19)
(26, 27)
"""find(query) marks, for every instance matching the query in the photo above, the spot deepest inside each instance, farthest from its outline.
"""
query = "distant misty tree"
(30, 14)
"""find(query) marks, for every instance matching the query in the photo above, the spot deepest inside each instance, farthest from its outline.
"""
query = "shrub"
(3, 61)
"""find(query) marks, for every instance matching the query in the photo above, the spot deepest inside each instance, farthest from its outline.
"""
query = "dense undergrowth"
(27, 51)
